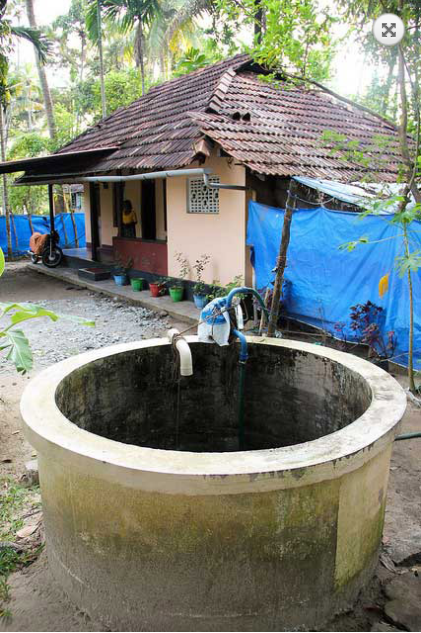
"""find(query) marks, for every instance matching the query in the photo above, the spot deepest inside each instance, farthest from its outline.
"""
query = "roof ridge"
(218, 95)
(236, 60)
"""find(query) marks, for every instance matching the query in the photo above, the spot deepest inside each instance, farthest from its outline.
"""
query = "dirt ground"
(37, 604)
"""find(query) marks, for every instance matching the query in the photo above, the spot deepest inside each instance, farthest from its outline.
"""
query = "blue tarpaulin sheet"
(41, 224)
(326, 281)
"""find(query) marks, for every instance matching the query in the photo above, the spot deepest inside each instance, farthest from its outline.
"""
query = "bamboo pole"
(281, 260)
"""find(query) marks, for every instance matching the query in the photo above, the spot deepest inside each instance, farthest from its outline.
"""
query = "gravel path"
(115, 322)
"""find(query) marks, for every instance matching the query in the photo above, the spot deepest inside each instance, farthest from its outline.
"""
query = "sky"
(351, 73)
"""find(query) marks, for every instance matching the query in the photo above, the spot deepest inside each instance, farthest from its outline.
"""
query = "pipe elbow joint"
(184, 352)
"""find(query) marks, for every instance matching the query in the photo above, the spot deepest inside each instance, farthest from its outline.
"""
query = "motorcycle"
(45, 247)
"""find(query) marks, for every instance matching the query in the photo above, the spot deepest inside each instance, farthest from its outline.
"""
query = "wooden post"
(51, 207)
(262, 316)
(281, 261)
(94, 220)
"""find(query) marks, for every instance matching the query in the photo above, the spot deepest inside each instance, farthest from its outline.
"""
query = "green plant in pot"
(158, 287)
(217, 291)
(121, 270)
(137, 283)
(199, 289)
(176, 286)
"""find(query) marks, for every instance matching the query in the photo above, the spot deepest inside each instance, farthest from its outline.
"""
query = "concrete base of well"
(153, 530)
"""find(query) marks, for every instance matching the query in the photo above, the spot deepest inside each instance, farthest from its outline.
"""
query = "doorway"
(95, 212)
(148, 214)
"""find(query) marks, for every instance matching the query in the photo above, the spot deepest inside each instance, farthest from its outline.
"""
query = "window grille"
(203, 199)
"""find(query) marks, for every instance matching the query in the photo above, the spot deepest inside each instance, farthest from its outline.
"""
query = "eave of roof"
(45, 162)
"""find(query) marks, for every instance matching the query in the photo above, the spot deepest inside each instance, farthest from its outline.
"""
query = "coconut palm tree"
(48, 102)
(26, 104)
(8, 35)
(130, 15)
(185, 11)
(94, 29)
(172, 35)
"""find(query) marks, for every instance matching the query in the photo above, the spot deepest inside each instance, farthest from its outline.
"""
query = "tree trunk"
(15, 233)
(5, 191)
(46, 94)
(139, 52)
(82, 70)
(403, 129)
(281, 262)
(411, 169)
(72, 215)
(101, 60)
(258, 21)
(48, 103)
(31, 226)
(411, 319)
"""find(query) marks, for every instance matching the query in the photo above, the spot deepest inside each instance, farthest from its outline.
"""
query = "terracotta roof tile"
(271, 129)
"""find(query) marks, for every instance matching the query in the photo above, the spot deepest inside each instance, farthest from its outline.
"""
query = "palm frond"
(190, 9)
(37, 39)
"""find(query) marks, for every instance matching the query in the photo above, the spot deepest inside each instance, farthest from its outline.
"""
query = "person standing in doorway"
(128, 227)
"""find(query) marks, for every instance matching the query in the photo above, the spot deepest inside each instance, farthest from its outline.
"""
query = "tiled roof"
(279, 131)
(275, 130)
(156, 131)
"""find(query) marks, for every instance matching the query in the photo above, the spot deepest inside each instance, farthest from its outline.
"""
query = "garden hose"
(407, 436)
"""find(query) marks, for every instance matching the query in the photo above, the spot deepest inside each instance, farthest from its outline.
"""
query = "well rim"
(323, 458)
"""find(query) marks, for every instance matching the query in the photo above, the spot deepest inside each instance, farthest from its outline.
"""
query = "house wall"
(132, 191)
(161, 233)
(222, 235)
(87, 211)
(106, 203)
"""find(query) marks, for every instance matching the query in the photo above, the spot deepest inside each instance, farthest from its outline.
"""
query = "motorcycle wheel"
(51, 261)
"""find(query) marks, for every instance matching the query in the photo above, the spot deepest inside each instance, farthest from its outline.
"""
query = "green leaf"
(76, 319)
(25, 311)
(408, 263)
(351, 246)
(19, 353)
(2, 262)
(31, 312)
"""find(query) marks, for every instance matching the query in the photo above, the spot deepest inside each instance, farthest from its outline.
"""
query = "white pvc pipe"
(186, 361)
(150, 176)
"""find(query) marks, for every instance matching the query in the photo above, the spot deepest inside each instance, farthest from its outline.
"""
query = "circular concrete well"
(155, 521)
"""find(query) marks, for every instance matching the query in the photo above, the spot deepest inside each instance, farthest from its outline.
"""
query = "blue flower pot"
(121, 280)
(200, 301)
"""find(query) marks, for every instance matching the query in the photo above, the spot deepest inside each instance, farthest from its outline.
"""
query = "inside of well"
(138, 397)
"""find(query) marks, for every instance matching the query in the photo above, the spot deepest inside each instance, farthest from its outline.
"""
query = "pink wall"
(222, 235)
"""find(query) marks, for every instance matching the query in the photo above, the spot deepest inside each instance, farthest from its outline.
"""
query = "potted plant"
(199, 288)
(367, 321)
(121, 271)
(137, 283)
(176, 287)
(215, 291)
(158, 287)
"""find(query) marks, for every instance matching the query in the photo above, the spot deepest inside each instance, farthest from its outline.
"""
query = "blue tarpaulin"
(41, 224)
(326, 281)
